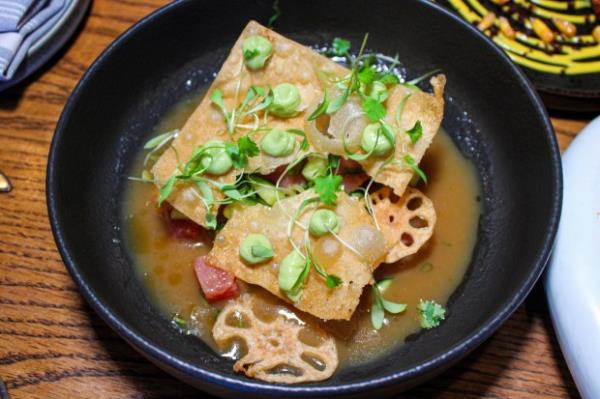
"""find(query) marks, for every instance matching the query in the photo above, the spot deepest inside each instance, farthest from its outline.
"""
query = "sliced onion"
(348, 123)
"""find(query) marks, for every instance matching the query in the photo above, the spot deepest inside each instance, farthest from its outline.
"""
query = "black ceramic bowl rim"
(153, 352)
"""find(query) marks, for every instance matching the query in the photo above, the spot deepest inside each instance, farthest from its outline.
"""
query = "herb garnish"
(431, 313)
(240, 151)
(410, 161)
(380, 305)
(340, 47)
(327, 186)
(276, 14)
(256, 99)
(415, 132)
(179, 321)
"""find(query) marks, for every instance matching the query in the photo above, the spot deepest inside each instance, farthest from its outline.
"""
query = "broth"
(164, 264)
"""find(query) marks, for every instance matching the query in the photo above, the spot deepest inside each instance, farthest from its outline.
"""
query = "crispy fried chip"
(276, 351)
(406, 222)
(290, 62)
(419, 106)
(356, 229)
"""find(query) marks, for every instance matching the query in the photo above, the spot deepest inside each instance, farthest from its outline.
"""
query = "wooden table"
(52, 345)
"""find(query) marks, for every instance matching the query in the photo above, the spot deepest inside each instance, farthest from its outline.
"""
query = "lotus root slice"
(406, 222)
(276, 352)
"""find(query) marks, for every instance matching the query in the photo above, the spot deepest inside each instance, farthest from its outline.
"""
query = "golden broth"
(165, 265)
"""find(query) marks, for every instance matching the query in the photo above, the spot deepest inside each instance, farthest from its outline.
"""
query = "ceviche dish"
(305, 211)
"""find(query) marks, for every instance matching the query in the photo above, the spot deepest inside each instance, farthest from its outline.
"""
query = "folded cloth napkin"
(31, 20)
(13, 13)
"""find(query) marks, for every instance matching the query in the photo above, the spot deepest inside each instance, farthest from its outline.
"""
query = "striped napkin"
(22, 23)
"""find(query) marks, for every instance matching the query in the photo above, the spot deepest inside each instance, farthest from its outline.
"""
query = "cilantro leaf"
(367, 74)
(327, 186)
(415, 132)
(410, 161)
(373, 109)
(240, 151)
(431, 313)
(340, 46)
(389, 79)
(332, 281)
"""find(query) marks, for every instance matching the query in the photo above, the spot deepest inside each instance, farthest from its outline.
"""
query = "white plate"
(573, 277)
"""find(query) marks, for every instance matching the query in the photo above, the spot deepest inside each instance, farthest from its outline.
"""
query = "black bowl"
(492, 113)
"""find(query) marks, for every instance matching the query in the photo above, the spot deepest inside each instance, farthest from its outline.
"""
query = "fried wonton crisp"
(290, 63)
(354, 267)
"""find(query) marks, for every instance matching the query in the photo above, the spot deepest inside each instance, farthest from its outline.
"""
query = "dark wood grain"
(53, 346)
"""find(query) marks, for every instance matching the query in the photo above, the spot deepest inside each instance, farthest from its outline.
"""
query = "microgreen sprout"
(257, 99)
(381, 305)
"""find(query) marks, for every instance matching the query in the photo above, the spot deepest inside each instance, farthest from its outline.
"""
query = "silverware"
(5, 186)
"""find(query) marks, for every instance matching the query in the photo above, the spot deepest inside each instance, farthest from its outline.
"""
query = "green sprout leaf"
(158, 140)
(338, 102)
(377, 315)
(373, 109)
(367, 74)
(410, 161)
(380, 305)
(327, 187)
(210, 220)
(332, 281)
(166, 189)
(179, 321)
(393, 307)
(321, 108)
(384, 283)
(415, 132)
(304, 145)
(276, 14)
(389, 79)
(431, 313)
(340, 46)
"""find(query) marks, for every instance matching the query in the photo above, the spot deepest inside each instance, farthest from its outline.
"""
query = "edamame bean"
(290, 269)
(265, 190)
(373, 140)
(322, 222)
(256, 248)
(215, 160)
(315, 167)
(256, 51)
(286, 100)
(278, 143)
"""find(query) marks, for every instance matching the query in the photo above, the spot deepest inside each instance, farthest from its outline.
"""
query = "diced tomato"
(184, 229)
(292, 180)
(274, 175)
(349, 166)
(216, 284)
(352, 182)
